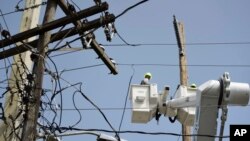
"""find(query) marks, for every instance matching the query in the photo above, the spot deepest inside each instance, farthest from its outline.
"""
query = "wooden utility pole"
(31, 99)
(179, 31)
(32, 110)
(29, 20)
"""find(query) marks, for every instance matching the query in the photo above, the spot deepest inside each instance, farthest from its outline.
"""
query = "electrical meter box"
(144, 100)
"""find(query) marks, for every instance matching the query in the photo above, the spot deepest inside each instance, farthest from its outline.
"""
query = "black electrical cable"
(128, 44)
(51, 100)
(18, 69)
(145, 132)
(129, 8)
(67, 43)
(14, 128)
(22, 9)
(59, 84)
(126, 99)
(54, 93)
(122, 108)
(174, 44)
(93, 104)
(55, 47)
(4, 20)
(103, 115)
(73, 98)
(79, 68)
(64, 53)
(17, 5)
(159, 65)
(177, 65)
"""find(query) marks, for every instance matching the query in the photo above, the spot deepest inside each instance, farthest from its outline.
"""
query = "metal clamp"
(224, 89)
(226, 84)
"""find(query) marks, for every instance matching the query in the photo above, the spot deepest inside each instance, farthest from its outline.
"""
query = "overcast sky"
(217, 36)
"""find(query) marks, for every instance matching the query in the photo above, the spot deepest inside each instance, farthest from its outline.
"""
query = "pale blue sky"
(205, 21)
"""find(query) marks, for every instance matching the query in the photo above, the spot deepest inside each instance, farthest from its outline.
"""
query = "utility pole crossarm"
(59, 35)
(52, 25)
(94, 44)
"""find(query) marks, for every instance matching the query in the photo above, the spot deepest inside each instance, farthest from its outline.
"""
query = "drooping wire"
(129, 8)
(61, 96)
(125, 11)
(129, 108)
(73, 98)
(93, 104)
(17, 5)
(126, 99)
(128, 44)
(147, 133)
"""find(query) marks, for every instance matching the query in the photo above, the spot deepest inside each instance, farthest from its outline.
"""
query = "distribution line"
(22, 9)
(126, 99)
(159, 65)
(174, 44)
(122, 108)
(145, 132)
(160, 45)
(93, 104)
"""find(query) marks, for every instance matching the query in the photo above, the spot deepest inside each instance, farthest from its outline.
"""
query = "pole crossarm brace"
(59, 35)
(94, 44)
(54, 24)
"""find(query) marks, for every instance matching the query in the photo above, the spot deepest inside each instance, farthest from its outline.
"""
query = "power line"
(129, 8)
(126, 99)
(94, 105)
(126, 44)
(22, 9)
(79, 68)
(145, 132)
(127, 108)
(159, 65)
(177, 65)
(174, 44)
